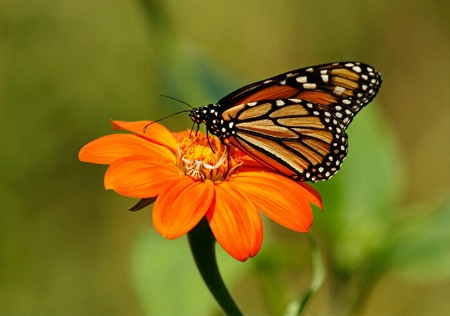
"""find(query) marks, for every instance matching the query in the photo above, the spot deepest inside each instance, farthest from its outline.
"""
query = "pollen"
(204, 157)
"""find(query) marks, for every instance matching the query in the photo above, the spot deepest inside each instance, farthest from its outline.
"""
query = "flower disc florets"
(202, 157)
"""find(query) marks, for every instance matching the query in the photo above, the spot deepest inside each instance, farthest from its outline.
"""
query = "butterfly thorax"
(210, 115)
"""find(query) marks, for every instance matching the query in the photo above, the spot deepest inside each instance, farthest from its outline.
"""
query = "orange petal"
(181, 206)
(249, 164)
(140, 177)
(312, 195)
(109, 148)
(235, 222)
(281, 199)
(155, 132)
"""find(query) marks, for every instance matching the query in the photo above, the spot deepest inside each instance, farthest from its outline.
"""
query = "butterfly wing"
(295, 137)
(341, 88)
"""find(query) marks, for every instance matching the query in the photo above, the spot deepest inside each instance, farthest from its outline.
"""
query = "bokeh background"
(68, 247)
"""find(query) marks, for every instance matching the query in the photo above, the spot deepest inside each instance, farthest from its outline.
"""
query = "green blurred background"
(68, 247)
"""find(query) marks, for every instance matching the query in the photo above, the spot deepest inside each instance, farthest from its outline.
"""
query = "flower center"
(201, 160)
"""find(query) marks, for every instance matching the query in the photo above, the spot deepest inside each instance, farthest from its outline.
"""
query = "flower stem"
(202, 244)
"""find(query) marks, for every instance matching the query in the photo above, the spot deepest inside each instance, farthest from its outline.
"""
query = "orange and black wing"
(340, 88)
(294, 137)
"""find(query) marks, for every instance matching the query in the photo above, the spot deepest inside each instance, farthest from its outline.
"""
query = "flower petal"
(140, 177)
(109, 148)
(181, 206)
(235, 222)
(154, 132)
(283, 200)
(312, 195)
(249, 164)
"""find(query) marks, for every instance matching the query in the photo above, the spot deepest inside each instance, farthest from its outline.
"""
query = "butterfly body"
(295, 122)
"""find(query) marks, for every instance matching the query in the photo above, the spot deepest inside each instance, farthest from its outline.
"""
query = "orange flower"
(191, 176)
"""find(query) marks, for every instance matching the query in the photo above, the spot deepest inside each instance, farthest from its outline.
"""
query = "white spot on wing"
(357, 69)
(302, 79)
(309, 86)
(339, 90)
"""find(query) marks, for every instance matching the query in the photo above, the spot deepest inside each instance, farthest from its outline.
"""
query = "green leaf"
(358, 201)
(419, 247)
(318, 276)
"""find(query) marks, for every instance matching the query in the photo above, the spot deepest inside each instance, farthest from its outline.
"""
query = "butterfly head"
(197, 115)
(209, 116)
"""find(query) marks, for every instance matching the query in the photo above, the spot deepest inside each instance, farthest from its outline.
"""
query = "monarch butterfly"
(295, 122)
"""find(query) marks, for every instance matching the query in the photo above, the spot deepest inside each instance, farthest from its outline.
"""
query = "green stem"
(202, 244)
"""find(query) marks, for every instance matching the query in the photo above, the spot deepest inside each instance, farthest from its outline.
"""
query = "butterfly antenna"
(172, 98)
(175, 99)
(165, 117)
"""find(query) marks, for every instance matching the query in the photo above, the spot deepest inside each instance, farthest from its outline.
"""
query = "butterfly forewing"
(342, 88)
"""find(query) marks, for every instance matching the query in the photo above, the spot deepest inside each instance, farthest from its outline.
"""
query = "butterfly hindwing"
(295, 137)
